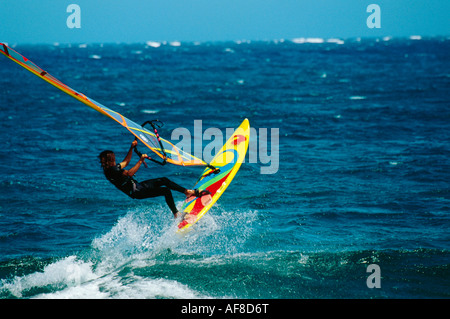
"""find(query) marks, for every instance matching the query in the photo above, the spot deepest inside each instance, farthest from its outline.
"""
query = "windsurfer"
(123, 179)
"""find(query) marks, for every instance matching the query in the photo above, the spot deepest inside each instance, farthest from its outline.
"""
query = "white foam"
(243, 41)
(337, 41)
(153, 44)
(66, 272)
(299, 40)
(175, 43)
(90, 290)
(133, 242)
(356, 97)
(135, 287)
(155, 288)
(137, 241)
(128, 233)
(315, 40)
(150, 111)
(308, 40)
(415, 37)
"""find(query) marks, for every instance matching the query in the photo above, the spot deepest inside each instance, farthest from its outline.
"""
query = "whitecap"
(356, 97)
(156, 288)
(337, 41)
(175, 43)
(150, 111)
(67, 272)
(299, 40)
(415, 37)
(315, 40)
(307, 40)
(153, 44)
(95, 57)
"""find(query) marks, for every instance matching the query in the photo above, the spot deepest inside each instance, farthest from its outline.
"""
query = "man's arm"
(135, 168)
(127, 159)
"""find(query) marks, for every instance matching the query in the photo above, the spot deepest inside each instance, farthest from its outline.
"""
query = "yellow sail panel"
(163, 148)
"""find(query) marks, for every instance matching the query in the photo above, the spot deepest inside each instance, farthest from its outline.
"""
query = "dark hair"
(107, 159)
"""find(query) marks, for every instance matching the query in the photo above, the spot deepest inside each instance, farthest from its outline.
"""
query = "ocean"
(344, 193)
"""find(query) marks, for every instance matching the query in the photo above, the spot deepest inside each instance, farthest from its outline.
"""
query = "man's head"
(107, 159)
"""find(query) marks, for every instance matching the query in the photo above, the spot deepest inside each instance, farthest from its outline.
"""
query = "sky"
(104, 21)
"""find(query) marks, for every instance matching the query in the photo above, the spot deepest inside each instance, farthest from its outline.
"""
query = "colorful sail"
(163, 148)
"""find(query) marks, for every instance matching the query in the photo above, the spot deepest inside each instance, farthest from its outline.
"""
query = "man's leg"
(159, 187)
(164, 181)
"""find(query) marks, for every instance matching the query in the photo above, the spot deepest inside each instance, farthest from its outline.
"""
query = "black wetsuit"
(146, 189)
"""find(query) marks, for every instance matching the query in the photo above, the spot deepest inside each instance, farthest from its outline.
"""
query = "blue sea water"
(362, 177)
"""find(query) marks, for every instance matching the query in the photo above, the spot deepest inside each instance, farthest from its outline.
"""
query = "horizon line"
(296, 40)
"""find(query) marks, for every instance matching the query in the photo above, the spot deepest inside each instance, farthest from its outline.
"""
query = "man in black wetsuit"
(123, 179)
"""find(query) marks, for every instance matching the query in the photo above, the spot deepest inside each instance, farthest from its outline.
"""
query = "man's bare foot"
(189, 192)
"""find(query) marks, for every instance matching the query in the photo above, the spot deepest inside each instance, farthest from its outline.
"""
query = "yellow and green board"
(228, 160)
